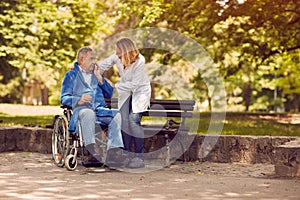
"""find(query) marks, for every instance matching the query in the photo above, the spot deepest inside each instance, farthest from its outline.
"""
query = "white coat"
(134, 81)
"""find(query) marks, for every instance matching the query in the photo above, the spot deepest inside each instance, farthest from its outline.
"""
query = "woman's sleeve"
(107, 63)
(138, 76)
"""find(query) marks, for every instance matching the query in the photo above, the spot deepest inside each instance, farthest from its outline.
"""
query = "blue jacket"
(74, 86)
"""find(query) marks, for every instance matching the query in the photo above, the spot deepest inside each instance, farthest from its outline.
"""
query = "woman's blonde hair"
(127, 51)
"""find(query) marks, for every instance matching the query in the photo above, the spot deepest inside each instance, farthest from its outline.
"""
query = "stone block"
(11, 136)
(287, 159)
(287, 171)
(25, 139)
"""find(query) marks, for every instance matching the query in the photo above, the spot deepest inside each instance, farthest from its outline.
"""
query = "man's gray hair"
(83, 51)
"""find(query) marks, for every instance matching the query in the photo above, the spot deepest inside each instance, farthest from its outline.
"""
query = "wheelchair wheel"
(60, 141)
(71, 162)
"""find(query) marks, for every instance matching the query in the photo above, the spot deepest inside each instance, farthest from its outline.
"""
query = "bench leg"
(168, 157)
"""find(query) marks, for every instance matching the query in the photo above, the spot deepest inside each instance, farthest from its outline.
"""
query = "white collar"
(83, 71)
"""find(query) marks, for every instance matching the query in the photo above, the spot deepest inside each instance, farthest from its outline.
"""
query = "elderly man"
(84, 89)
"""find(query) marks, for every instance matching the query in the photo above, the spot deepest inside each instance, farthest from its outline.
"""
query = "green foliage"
(288, 70)
(39, 40)
(243, 38)
(254, 43)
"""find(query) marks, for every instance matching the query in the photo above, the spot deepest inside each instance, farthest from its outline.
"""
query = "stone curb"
(283, 152)
(25, 139)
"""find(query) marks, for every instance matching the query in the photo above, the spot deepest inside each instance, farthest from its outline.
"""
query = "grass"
(258, 124)
(9, 120)
(234, 124)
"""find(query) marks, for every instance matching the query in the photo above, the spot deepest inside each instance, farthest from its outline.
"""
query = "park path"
(26, 175)
(29, 110)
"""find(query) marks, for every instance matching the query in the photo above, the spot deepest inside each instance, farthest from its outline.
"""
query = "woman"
(134, 93)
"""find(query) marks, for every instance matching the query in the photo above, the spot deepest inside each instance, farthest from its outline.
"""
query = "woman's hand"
(97, 73)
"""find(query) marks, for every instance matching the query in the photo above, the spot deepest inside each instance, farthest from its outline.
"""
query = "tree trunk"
(287, 102)
(295, 102)
(247, 95)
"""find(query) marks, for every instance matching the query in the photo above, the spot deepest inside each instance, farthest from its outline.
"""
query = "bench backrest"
(163, 108)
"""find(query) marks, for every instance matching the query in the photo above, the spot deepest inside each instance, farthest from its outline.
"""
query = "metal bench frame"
(179, 109)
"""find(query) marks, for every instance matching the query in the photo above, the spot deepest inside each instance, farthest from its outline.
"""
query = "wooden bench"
(165, 117)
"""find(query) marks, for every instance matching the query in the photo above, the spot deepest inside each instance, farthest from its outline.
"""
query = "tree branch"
(271, 53)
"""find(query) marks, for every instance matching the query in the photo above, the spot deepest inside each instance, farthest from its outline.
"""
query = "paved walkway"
(34, 176)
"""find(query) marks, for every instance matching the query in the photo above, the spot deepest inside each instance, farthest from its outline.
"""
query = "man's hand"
(97, 73)
(85, 98)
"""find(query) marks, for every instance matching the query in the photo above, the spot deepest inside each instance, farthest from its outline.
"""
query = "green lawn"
(252, 124)
(42, 121)
(234, 123)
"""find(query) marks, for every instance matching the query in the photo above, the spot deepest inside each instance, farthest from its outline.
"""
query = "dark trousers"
(132, 130)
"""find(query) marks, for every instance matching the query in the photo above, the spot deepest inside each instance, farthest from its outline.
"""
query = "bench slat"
(161, 127)
(167, 114)
(172, 102)
(172, 107)
(160, 104)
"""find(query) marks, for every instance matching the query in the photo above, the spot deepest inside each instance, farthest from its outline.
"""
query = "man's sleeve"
(107, 89)
(66, 95)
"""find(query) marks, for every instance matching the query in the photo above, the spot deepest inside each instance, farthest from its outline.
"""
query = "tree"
(288, 70)
(39, 39)
(260, 31)
(241, 36)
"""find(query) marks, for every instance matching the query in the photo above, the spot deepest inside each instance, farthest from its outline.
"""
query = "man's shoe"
(92, 164)
(94, 158)
(136, 163)
(93, 161)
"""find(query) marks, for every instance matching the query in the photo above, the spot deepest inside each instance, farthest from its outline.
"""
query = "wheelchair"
(67, 147)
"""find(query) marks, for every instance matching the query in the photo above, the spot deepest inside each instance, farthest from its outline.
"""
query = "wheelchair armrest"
(66, 107)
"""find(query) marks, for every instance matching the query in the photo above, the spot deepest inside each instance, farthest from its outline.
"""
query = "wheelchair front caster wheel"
(71, 162)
